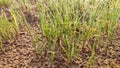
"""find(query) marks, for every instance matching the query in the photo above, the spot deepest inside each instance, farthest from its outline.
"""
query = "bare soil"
(21, 54)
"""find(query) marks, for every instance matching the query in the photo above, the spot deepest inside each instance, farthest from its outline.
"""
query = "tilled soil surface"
(21, 54)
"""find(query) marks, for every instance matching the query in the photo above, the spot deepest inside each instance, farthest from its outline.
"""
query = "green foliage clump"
(70, 24)
(4, 3)
(8, 29)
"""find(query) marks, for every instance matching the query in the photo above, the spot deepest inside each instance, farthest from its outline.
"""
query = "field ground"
(21, 53)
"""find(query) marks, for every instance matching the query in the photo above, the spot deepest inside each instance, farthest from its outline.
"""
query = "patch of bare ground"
(21, 54)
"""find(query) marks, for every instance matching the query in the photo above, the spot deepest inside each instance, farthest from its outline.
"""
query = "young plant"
(4, 3)
(8, 30)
